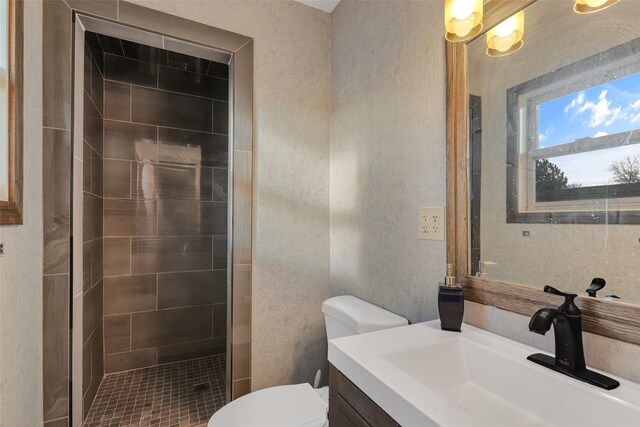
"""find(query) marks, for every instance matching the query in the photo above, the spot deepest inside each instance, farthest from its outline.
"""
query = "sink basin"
(423, 376)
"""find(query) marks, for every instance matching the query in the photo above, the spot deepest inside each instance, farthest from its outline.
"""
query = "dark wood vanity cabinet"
(350, 407)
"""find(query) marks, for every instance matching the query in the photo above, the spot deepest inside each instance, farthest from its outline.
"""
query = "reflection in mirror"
(554, 152)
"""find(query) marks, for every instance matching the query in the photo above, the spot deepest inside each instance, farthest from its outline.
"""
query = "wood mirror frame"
(613, 319)
(11, 209)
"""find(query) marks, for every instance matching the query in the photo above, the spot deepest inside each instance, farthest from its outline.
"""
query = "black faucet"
(567, 328)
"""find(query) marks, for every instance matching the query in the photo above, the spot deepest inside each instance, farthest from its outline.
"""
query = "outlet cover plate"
(431, 223)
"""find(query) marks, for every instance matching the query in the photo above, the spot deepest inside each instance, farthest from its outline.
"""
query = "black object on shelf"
(450, 307)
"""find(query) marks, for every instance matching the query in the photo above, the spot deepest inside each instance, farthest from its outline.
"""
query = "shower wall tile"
(167, 254)
(117, 256)
(221, 117)
(127, 294)
(94, 347)
(56, 345)
(220, 185)
(156, 107)
(127, 70)
(130, 217)
(92, 261)
(117, 333)
(190, 217)
(95, 48)
(97, 86)
(165, 327)
(182, 81)
(129, 141)
(219, 252)
(60, 422)
(96, 172)
(130, 360)
(56, 157)
(117, 178)
(191, 350)
(117, 101)
(219, 327)
(171, 182)
(110, 45)
(56, 60)
(217, 69)
(91, 310)
(104, 8)
(92, 222)
(92, 125)
(179, 146)
(144, 52)
(192, 288)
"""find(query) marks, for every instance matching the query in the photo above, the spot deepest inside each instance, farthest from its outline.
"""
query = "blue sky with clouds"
(601, 110)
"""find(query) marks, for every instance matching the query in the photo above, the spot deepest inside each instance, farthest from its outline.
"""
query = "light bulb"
(506, 37)
(463, 19)
(591, 6)
(595, 3)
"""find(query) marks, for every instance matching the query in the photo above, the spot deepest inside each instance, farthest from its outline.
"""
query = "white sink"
(423, 376)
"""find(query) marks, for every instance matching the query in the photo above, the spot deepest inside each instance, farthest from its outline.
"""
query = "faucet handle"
(569, 307)
(596, 284)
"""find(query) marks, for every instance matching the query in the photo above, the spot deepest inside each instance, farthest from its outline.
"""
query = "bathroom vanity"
(419, 375)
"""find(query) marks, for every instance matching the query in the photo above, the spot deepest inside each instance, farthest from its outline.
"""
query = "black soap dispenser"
(450, 303)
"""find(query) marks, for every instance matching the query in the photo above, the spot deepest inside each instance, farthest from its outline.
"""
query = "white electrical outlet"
(431, 223)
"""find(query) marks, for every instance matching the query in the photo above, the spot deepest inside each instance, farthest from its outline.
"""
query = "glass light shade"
(462, 19)
(590, 6)
(506, 37)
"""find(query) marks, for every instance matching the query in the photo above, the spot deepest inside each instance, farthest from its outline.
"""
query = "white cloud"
(599, 134)
(635, 118)
(542, 137)
(601, 113)
(635, 105)
(575, 102)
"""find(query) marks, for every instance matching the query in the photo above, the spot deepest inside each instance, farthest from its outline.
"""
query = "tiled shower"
(154, 203)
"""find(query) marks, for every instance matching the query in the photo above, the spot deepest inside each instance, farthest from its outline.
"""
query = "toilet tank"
(347, 315)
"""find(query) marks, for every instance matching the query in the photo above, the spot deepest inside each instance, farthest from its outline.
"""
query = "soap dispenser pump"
(450, 303)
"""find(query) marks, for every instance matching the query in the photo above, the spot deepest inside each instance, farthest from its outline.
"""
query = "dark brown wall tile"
(168, 254)
(130, 360)
(127, 70)
(156, 107)
(91, 310)
(104, 8)
(96, 173)
(129, 141)
(191, 350)
(130, 217)
(92, 217)
(117, 101)
(218, 69)
(220, 252)
(165, 327)
(185, 217)
(220, 185)
(92, 263)
(95, 49)
(56, 157)
(97, 86)
(145, 53)
(241, 387)
(192, 288)
(216, 213)
(92, 120)
(182, 146)
(117, 178)
(126, 294)
(56, 51)
(61, 422)
(117, 333)
(117, 256)
(172, 182)
(220, 117)
(219, 327)
(199, 84)
(56, 345)
(111, 45)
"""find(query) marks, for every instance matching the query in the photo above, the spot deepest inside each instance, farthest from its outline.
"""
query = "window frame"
(11, 209)
(522, 146)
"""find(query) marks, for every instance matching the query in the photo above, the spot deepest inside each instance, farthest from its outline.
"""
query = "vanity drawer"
(349, 406)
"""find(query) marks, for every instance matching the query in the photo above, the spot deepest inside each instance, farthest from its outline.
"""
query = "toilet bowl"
(301, 405)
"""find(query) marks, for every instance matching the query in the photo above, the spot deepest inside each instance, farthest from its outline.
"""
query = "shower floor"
(176, 394)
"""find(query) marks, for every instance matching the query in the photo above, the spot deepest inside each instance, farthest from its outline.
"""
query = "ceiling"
(323, 5)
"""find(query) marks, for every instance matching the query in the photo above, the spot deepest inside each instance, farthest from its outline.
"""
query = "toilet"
(301, 405)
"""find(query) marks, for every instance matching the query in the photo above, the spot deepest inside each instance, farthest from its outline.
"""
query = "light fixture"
(462, 19)
(506, 37)
(590, 6)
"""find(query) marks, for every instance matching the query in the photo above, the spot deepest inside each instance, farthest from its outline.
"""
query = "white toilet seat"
(283, 406)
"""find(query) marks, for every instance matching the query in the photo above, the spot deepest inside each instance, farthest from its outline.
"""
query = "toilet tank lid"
(360, 316)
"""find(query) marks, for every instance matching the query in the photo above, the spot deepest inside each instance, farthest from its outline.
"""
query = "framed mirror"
(543, 150)
(10, 112)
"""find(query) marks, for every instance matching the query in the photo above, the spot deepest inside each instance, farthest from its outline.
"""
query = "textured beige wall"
(387, 152)
(566, 256)
(21, 265)
(292, 104)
